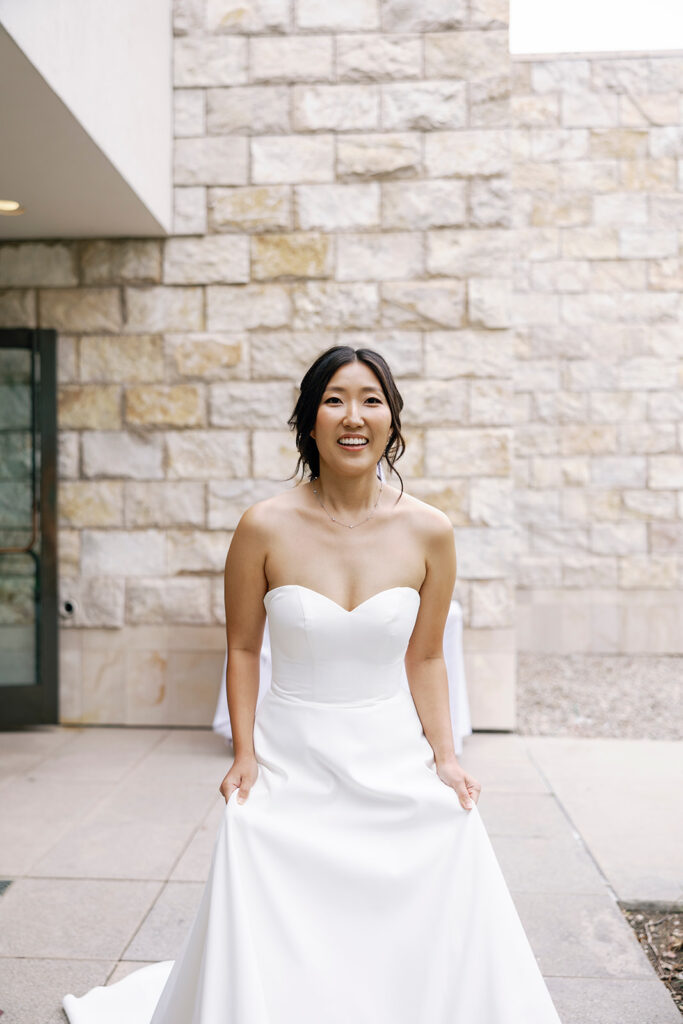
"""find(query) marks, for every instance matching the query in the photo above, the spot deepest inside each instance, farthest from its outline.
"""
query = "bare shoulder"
(431, 523)
(265, 515)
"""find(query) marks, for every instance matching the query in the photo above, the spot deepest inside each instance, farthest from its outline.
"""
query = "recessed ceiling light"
(10, 208)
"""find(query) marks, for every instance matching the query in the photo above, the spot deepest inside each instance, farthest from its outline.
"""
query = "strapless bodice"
(324, 653)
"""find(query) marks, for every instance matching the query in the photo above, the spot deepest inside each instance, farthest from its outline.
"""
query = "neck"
(347, 495)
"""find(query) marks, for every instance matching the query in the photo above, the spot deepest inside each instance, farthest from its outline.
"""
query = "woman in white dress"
(352, 879)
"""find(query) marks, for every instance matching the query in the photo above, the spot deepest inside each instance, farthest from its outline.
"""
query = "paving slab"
(501, 763)
(603, 1001)
(626, 799)
(164, 928)
(194, 864)
(99, 755)
(547, 865)
(31, 991)
(522, 814)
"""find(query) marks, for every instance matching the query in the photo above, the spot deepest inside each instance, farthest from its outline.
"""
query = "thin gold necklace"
(350, 526)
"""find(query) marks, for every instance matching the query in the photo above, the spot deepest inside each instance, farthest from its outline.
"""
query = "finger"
(465, 799)
(242, 795)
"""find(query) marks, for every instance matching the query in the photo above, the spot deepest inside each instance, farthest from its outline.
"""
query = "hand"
(241, 776)
(465, 785)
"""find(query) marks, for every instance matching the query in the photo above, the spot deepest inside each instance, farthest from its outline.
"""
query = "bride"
(352, 878)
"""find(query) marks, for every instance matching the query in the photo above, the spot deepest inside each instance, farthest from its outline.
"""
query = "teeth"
(352, 444)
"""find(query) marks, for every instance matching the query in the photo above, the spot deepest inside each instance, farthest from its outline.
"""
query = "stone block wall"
(597, 180)
(342, 175)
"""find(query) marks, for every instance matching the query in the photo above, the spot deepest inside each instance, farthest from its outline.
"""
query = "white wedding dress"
(351, 887)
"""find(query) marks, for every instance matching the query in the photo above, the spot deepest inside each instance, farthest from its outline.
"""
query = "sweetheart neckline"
(348, 611)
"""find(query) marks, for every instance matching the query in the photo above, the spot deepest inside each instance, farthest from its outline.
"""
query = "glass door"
(28, 536)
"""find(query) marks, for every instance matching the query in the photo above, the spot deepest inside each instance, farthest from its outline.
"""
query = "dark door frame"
(39, 703)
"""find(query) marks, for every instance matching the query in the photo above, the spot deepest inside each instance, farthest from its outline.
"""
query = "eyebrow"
(369, 387)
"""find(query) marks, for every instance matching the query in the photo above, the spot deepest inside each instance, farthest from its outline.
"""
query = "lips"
(352, 441)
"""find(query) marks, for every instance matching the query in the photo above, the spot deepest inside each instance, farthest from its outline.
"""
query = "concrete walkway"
(107, 835)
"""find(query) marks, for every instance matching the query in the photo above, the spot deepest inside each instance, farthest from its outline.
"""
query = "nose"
(352, 414)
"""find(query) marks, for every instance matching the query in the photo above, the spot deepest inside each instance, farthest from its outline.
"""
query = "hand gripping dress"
(351, 887)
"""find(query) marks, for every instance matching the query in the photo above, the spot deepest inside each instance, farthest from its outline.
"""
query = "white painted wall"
(110, 62)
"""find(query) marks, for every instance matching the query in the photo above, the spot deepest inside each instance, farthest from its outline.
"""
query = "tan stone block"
(492, 604)
(534, 308)
(77, 310)
(539, 243)
(290, 159)
(537, 375)
(164, 504)
(490, 403)
(258, 208)
(665, 142)
(119, 454)
(470, 253)
(168, 600)
(467, 353)
(666, 275)
(383, 155)
(97, 602)
(355, 15)
(26, 264)
(646, 571)
(180, 405)
(301, 254)
(590, 243)
(69, 553)
(212, 160)
(616, 275)
(647, 243)
(335, 107)
(619, 209)
(67, 455)
(214, 259)
(200, 60)
(91, 503)
(622, 143)
(18, 308)
(103, 358)
(127, 262)
(618, 538)
(570, 210)
(559, 143)
(209, 357)
(196, 551)
(189, 211)
(424, 204)
(123, 553)
(489, 14)
(590, 109)
(665, 73)
(470, 56)
(423, 304)
(207, 454)
(247, 16)
(423, 105)
(229, 499)
(249, 109)
(378, 57)
(89, 407)
(468, 452)
(251, 403)
(665, 472)
(589, 176)
(559, 75)
(650, 438)
(467, 153)
(619, 471)
(488, 302)
(189, 113)
(535, 111)
(490, 202)
(286, 354)
(641, 111)
(434, 403)
(103, 687)
(630, 74)
(450, 497)
(163, 309)
(246, 307)
(334, 207)
(147, 696)
(333, 304)
(379, 256)
(66, 359)
(588, 439)
(561, 407)
(648, 175)
(650, 504)
(617, 406)
(275, 455)
(423, 15)
(561, 275)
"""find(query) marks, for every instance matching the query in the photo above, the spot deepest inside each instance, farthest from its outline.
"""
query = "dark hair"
(311, 390)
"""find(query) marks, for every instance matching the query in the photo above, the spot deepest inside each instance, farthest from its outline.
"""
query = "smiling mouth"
(353, 442)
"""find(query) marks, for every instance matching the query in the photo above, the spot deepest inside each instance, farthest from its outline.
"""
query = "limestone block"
(488, 14)
(292, 159)
(591, 243)
(179, 405)
(563, 76)
(287, 59)
(464, 153)
(589, 109)
(490, 403)
(588, 439)
(666, 537)
(212, 160)
(632, 74)
(127, 262)
(536, 439)
(534, 571)
(337, 207)
(355, 15)
(619, 470)
(485, 553)
(77, 310)
(490, 202)
(620, 208)
(229, 499)
(214, 259)
(123, 553)
(450, 497)
(98, 601)
(615, 275)
(665, 472)
(423, 15)
(18, 308)
(665, 73)
(118, 454)
(424, 204)
(188, 16)
(665, 210)
(133, 359)
(423, 304)
(163, 309)
(332, 304)
(66, 359)
(295, 255)
(665, 405)
(647, 438)
(250, 404)
(488, 301)
(189, 211)
(209, 60)
(622, 143)
(585, 570)
(239, 308)
(491, 502)
(401, 349)
(665, 142)
(559, 143)
(91, 503)
(525, 175)
(644, 110)
(197, 550)
(645, 571)
(207, 454)
(647, 243)
(618, 538)
(468, 452)
(423, 105)
(254, 208)
(434, 403)
(26, 264)
(468, 253)
(275, 456)
(492, 604)
(208, 356)
(649, 504)
(378, 57)
(69, 553)
(92, 407)
(540, 243)
(590, 374)
(164, 504)
(471, 56)
(535, 111)
(189, 113)
(383, 155)
(68, 455)
(247, 16)
(379, 256)
(617, 406)
(489, 102)
(174, 601)
(253, 109)
(561, 276)
(572, 209)
(335, 107)
(534, 308)
(467, 354)
(648, 175)
(590, 175)
(560, 407)
(666, 275)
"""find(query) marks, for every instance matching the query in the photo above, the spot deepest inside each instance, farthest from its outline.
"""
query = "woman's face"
(352, 405)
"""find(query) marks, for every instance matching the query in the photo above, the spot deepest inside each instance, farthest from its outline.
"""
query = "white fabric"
(351, 887)
(455, 670)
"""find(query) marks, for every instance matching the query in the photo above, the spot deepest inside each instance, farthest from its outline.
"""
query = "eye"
(333, 398)
(373, 398)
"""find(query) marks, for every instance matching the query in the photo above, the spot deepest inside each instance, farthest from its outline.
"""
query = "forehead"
(354, 376)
